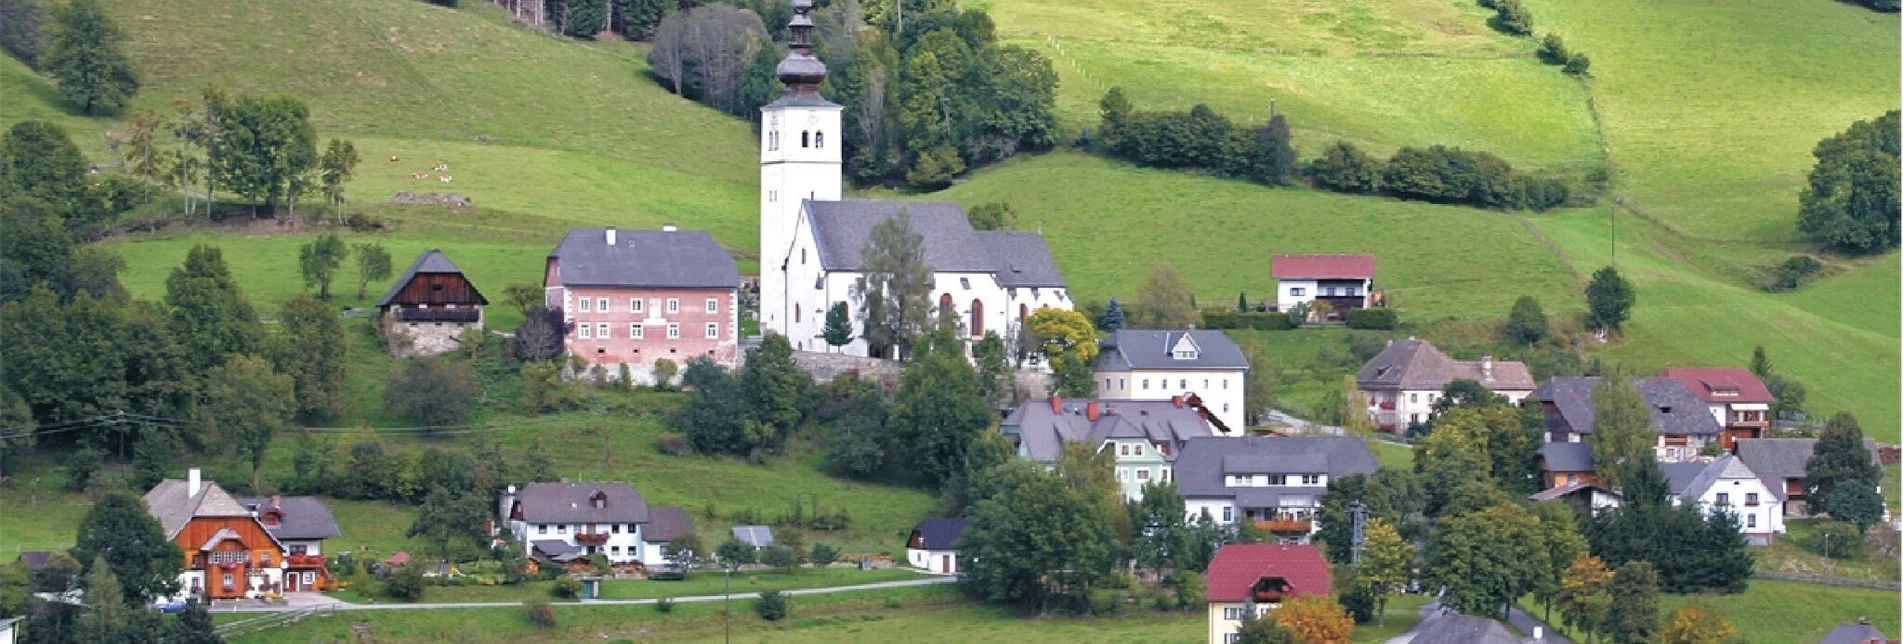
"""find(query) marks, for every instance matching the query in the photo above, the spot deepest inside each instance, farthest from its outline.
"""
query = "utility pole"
(1360, 514)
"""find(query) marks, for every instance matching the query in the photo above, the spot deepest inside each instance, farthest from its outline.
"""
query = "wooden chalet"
(228, 552)
(426, 311)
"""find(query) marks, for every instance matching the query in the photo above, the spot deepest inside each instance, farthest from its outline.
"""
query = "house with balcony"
(1401, 384)
(1684, 424)
(1783, 465)
(1251, 579)
(229, 554)
(1728, 483)
(632, 297)
(1146, 436)
(1275, 482)
(301, 523)
(1735, 396)
(566, 522)
(1202, 366)
(1343, 281)
(426, 311)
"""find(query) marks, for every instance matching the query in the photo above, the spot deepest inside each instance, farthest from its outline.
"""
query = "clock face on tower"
(812, 121)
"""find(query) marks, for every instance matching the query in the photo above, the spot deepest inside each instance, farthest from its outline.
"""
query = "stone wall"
(418, 339)
(1032, 383)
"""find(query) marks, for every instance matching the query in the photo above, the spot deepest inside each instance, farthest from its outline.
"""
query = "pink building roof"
(1710, 384)
(1238, 566)
(1284, 267)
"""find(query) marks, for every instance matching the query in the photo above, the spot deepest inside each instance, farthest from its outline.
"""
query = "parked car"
(168, 607)
(667, 572)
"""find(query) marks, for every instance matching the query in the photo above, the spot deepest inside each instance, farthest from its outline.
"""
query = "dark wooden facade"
(260, 551)
(438, 289)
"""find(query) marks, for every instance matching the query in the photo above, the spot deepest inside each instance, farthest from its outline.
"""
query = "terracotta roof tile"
(1321, 267)
(1237, 568)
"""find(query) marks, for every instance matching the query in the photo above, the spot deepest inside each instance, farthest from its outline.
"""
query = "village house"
(1401, 383)
(632, 297)
(1145, 436)
(565, 522)
(1444, 626)
(301, 523)
(1684, 425)
(1585, 497)
(933, 546)
(1276, 482)
(812, 241)
(1735, 396)
(1203, 366)
(429, 307)
(1728, 483)
(229, 553)
(1343, 281)
(1783, 464)
(1251, 579)
(1566, 464)
(1857, 632)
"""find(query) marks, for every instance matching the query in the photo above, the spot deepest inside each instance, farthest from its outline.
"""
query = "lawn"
(698, 583)
(1787, 556)
(1782, 611)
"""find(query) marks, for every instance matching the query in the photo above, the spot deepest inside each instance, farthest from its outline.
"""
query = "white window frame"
(634, 305)
(673, 331)
(1143, 474)
(673, 305)
(602, 332)
(1297, 291)
(587, 305)
(601, 304)
(713, 305)
(713, 330)
(636, 331)
(585, 331)
(541, 528)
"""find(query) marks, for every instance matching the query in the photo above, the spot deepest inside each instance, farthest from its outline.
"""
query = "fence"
(269, 621)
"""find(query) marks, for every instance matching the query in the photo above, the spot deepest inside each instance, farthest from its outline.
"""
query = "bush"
(1794, 271)
(1578, 65)
(1382, 319)
(664, 370)
(1227, 319)
(1345, 168)
(674, 445)
(81, 466)
(771, 606)
(1512, 18)
(1553, 50)
(823, 555)
(664, 605)
(405, 584)
(1834, 539)
(539, 613)
(566, 588)
(780, 557)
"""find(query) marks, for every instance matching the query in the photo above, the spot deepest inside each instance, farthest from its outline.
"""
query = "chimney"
(611, 235)
(668, 228)
(1092, 412)
(192, 482)
(511, 491)
(1057, 404)
(1486, 366)
(277, 502)
(1177, 401)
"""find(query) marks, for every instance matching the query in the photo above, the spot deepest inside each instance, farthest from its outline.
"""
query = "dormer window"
(599, 499)
(1185, 349)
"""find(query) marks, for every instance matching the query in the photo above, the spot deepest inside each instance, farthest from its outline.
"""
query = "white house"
(7, 628)
(1401, 384)
(1203, 366)
(1276, 482)
(933, 546)
(1343, 281)
(1144, 436)
(567, 521)
(811, 240)
(1729, 484)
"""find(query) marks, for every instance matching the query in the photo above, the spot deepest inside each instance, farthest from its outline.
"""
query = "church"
(811, 239)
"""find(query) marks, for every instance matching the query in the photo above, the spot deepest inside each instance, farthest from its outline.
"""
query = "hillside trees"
(1070, 343)
(1634, 614)
(857, 412)
(433, 392)
(209, 311)
(247, 403)
(1843, 477)
(337, 167)
(84, 53)
(1164, 300)
(752, 413)
(373, 263)
(21, 22)
(1609, 299)
(1345, 168)
(1585, 595)
(704, 52)
(1850, 201)
(1033, 536)
(312, 350)
(994, 215)
(939, 412)
(38, 159)
(1527, 323)
(1696, 623)
(1623, 434)
(1484, 558)
(119, 530)
(263, 146)
(319, 259)
(445, 516)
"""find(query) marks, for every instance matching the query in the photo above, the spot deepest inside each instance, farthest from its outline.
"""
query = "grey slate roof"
(667, 523)
(1775, 460)
(1455, 628)
(1854, 633)
(646, 258)
(1567, 457)
(34, 559)
(1149, 349)
(1275, 463)
(1044, 431)
(758, 536)
(1415, 365)
(1018, 260)
(305, 517)
(1271, 496)
(570, 503)
(1681, 475)
(1675, 410)
(557, 549)
(431, 261)
(1560, 491)
(940, 533)
(1726, 467)
(1199, 469)
(173, 506)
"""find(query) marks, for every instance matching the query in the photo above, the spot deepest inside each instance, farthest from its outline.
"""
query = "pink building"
(637, 296)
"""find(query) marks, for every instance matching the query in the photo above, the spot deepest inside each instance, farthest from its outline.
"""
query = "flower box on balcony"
(591, 538)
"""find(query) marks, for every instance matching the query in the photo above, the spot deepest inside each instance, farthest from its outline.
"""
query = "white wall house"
(1729, 484)
(1275, 482)
(811, 241)
(1343, 281)
(933, 546)
(1401, 384)
(567, 521)
(1143, 436)
(1204, 366)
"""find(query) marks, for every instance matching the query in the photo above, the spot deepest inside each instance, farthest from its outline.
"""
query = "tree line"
(927, 90)
(1202, 139)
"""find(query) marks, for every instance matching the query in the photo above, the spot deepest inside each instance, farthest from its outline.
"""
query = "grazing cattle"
(419, 175)
(442, 167)
(443, 178)
(393, 159)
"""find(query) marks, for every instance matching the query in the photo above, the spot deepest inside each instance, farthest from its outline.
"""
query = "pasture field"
(1768, 610)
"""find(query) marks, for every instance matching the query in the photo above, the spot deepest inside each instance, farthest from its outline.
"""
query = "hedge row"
(1382, 319)
(1229, 319)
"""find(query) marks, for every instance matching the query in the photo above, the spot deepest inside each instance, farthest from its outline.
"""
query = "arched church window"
(819, 139)
(806, 139)
(773, 140)
(945, 304)
(977, 319)
(802, 257)
(796, 313)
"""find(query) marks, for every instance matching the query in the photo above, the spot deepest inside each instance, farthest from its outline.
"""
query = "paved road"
(338, 605)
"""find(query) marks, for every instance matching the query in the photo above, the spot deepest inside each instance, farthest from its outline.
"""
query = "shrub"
(539, 613)
(1383, 319)
(81, 466)
(780, 557)
(664, 370)
(674, 445)
(664, 605)
(1227, 319)
(405, 584)
(1794, 271)
(771, 606)
(1345, 168)
(1578, 65)
(1512, 18)
(566, 588)
(823, 555)
(1834, 539)
(1553, 50)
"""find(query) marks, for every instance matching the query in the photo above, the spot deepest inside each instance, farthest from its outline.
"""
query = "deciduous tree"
(1031, 536)
(1696, 623)
(1585, 594)
(1634, 615)
(780, 393)
(995, 215)
(373, 263)
(1485, 559)
(1527, 323)
(337, 167)
(939, 412)
(246, 403)
(1387, 563)
(1609, 300)
(1260, 382)
(211, 316)
(120, 532)
(445, 516)
(1265, 629)
(1850, 202)
(312, 351)
(1070, 343)
(84, 53)
(1622, 428)
(1165, 300)
(319, 259)
(264, 145)
(1315, 619)
(895, 295)
(37, 159)
(433, 392)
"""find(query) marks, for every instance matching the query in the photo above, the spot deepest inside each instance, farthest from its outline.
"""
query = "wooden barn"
(428, 308)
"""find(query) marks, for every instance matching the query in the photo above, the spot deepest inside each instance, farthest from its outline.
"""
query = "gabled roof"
(1286, 267)
(1416, 365)
(1680, 475)
(172, 504)
(222, 535)
(1557, 492)
(1707, 383)
(1567, 457)
(1777, 459)
(1454, 628)
(1237, 567)
(645, 258)
(574, 503)
(1854, 633)
(1044, 430)
(1674, 410)
(554, 549)
(431, 261)
(666, 523)
(305, 517)
(940, 533)
(1200, 469)
(1022, 260)
(841, 228)
(758, 536)
(1151, 349)
(1724, 468)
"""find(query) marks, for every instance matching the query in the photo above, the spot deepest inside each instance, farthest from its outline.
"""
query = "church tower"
(800, 143)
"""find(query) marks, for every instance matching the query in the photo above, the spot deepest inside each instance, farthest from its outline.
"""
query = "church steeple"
(800, 71)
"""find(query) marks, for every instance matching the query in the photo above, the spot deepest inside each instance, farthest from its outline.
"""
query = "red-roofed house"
(1257, 577)
(1735, 396)
(1343, 281)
